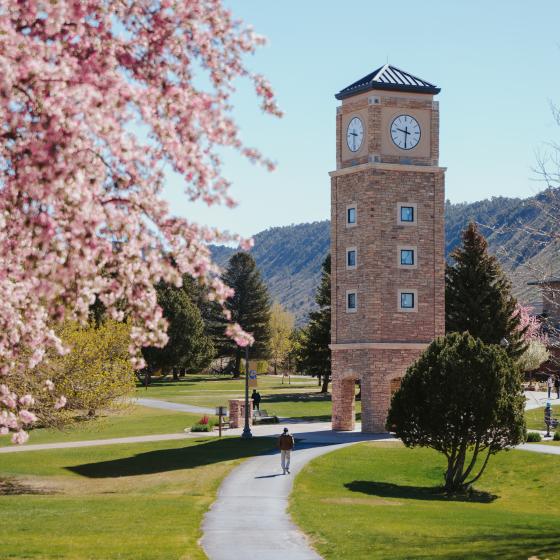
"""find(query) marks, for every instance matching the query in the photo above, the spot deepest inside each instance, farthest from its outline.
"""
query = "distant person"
(557, 383)
(256, 397)
(549, 385)
(286, 445)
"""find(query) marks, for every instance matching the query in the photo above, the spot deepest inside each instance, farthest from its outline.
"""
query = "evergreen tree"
(189, 347)
(249, 306)
(314, 356)
(478, 296)
(464, 399)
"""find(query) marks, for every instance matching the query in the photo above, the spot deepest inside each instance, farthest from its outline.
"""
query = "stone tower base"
(379, 367)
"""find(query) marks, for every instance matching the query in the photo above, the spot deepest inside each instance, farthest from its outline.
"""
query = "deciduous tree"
(97, 100)
(464, 399)
(281, 327)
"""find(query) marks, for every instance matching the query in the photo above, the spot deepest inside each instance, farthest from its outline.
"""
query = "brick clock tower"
(387, 239)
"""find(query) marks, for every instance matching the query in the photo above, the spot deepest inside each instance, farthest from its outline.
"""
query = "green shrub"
(533, 437)
(202, 428)
(556, 436)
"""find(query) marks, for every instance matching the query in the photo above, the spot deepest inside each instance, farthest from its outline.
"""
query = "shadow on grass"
(296, 397)
(389, 490)
(166, 460)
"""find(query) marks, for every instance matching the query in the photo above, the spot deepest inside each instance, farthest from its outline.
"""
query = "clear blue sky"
(497, 64)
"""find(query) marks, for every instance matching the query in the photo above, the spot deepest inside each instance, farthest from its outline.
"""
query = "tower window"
(407, 213)
(351, 261)
(407, 257)
(407, 300)
(351, 215)
(351, 302)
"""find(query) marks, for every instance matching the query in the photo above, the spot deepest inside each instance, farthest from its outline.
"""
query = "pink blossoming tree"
(81, 208)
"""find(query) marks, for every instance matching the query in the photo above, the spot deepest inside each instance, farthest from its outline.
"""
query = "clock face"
(405, 132)
(355, 134)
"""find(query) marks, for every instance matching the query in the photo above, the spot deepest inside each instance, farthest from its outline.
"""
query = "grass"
(378, 501)
(134, 421)
(535, 417)
(135, 501)
(301, 399)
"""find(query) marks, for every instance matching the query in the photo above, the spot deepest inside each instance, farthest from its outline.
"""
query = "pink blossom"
(82, 216)
(27, 417)
(240, 337)
(20, 437)
(60, 403)
(27, 401)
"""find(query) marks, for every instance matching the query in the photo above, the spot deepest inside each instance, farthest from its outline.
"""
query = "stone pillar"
(237, 413)
(343, 404)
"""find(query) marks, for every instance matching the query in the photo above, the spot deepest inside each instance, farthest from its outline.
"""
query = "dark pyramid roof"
(391, 78)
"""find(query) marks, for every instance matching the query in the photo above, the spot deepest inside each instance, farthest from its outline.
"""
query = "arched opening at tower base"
(380, 373)
(344, 403)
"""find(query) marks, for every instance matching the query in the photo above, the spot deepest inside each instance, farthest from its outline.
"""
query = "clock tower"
(387, 240)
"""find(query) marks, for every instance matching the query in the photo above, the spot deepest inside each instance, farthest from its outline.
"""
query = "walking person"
(256, 396)
(549, 385)
(286, 445)
(557, 384)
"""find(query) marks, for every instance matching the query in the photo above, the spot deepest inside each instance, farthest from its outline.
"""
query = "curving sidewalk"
(249, 518)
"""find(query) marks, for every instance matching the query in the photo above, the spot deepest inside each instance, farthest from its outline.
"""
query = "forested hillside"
(518, 231)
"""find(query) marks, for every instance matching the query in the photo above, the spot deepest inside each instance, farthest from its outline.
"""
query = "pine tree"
(189, 347)
(478, 296)
(249, 306)
(314, 356)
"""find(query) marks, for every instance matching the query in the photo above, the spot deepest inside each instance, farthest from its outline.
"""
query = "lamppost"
(247, 429)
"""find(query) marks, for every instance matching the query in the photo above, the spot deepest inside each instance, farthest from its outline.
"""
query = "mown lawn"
(300, 399)
(535, 417)
(378, 501)
(137, 501)
(133, 421)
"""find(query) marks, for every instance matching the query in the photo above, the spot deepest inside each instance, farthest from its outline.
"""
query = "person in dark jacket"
(286, 446)
(256, 396)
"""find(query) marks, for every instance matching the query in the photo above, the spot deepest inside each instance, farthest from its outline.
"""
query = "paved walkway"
(166, 405)
(536, 399)
(539, 448)
(249, 519)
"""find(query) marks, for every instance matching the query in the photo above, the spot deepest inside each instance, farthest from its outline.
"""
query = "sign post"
(220, 411)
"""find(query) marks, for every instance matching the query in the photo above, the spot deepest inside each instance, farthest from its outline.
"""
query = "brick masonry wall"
(376, 189)
(237, 413)
(377, 237)
(375, 369)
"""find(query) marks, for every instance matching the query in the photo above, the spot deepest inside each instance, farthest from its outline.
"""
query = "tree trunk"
(325, 387)
(237, 368)
(318, 380)
(275, 372)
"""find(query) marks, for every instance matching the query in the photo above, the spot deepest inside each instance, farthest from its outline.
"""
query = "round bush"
(533, 437)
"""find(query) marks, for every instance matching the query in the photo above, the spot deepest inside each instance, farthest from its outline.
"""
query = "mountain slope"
(290, 257)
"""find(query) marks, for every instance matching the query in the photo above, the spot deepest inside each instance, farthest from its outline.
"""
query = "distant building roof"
(551, 280)
(391, 78)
